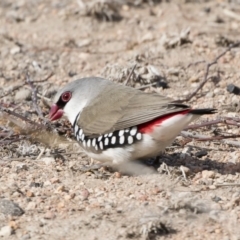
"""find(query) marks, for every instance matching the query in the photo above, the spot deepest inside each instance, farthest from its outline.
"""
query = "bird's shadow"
(194, 164)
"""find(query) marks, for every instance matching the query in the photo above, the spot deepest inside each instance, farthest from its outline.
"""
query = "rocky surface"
(49, 189)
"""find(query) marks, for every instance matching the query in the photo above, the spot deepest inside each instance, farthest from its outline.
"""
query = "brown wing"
(122, 107)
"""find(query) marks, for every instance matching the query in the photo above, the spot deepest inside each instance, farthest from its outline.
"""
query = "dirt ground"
(49, 189)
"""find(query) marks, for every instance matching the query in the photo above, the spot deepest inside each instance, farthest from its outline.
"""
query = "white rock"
(208, 174)
(15, 50)
(23, 94)
(5, 231)
(48, 160)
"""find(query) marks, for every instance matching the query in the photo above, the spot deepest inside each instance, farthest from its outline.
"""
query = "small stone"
(210, 95)
(26, 237)
(71, 73)
(61, 188)
(31, 206)
(88, 173)
(36, 184)
(156, 190)
(54, 180)
(47, 183)
(217, 91)
(216, 198)
(5, 170)
(119, 210)
(201, 153)
(15, 50)
(85, 194)
(143, 197)
(5, 231)
(29, 194)
(49, 215)
(208, 174)
(61, 205)
(212, 187)
(70, 196)
(193, 78)
(23, 94)
(8, 207)
(48, 160)
(20, 167)
(233, 89)
(13, 225)
(117, 174)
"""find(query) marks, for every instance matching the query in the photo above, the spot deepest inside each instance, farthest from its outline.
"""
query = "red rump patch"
(148, 126)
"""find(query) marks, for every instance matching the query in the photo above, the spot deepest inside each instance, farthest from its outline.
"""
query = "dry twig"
(227, 121)
(22, 85)
(130, 74)
(208, 65)
(220, 138)
(34, 97)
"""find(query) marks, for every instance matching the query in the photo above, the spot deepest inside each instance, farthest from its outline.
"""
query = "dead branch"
(45, 79)
(34, 97)
(195, 63)
(15, 88)
(130, 74)
(227, 185)
(17, 115)
(12, 90)
(221, 138)
(208, 66)
(227, 121)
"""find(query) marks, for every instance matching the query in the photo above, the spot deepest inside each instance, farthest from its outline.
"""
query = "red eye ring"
(66, 96)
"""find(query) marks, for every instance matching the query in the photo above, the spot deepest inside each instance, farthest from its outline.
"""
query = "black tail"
(203, 111)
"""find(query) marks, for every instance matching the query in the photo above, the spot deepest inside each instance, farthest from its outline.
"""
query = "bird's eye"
(66, 96)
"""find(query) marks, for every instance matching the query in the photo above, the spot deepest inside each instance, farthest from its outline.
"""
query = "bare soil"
(191, 192)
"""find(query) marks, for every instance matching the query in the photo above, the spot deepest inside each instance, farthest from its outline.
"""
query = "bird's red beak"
(55, 112)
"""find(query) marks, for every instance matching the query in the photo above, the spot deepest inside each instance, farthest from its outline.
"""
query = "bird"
(117, 123)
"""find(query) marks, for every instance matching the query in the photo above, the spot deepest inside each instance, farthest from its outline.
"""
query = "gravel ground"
(49, 189)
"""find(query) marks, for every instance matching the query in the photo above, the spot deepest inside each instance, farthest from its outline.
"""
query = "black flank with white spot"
(114, 139)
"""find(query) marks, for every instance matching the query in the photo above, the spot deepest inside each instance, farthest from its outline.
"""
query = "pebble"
(31, 206)
(61, 204)
(201, 153)
(8, 207)
(117, 174)
(15, 50)
(54, 180)
(61, 188)
(210, 95)
(13, 225)
(29, 194)
(69, 196)
(20, 167)
(49, 215)
(48, 160)
(5, 231)
(208, 174)
(23, 94)
(85, 194)
(26, 237)
(193, 78)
